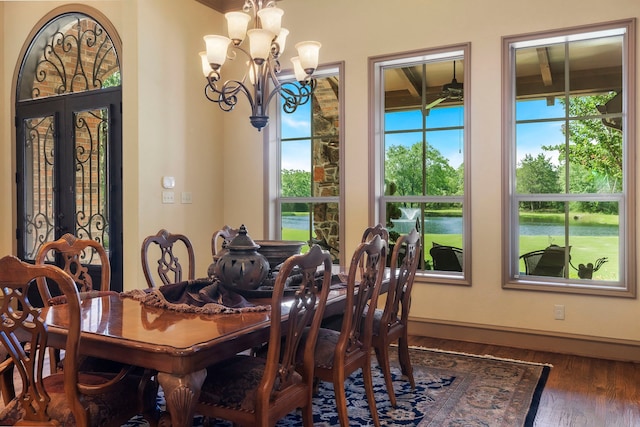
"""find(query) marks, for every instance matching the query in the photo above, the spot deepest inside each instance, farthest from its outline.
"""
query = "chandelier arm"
(293, 95)
(227, 96)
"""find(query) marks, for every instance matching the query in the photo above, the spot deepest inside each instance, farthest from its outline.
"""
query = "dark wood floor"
(580, 391)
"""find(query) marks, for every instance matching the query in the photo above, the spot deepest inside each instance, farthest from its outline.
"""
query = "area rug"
(452, 389)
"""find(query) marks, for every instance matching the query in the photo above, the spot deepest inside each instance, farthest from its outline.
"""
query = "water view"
(453, 225)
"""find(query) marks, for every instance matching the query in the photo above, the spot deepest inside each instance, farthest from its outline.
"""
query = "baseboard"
(579, 345)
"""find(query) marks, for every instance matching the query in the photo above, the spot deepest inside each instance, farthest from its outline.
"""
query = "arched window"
(68, 134)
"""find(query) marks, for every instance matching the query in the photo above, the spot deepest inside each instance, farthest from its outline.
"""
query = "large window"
(308, 181)
(570, 145)
(421, 142)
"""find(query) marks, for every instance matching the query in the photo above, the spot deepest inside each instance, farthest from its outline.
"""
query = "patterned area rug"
(452, 389)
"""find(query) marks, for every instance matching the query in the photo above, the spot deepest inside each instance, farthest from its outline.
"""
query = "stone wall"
(326, 163)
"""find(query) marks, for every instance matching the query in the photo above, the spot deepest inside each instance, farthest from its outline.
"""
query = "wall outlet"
(558, 312)
(168, 197)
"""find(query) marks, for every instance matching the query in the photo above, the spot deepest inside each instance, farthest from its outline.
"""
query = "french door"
(69, 174)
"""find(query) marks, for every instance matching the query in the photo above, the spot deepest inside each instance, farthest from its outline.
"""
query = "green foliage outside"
(595, 153)
(295, 183)
(112, 81)
(410, 173)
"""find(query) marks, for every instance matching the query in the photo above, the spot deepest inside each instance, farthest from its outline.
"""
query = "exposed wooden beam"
(545, 68)
(585, 81)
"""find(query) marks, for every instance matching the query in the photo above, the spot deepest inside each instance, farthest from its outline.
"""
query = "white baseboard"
(580, 345)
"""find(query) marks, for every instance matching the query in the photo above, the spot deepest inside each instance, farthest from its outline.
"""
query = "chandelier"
(266, 42)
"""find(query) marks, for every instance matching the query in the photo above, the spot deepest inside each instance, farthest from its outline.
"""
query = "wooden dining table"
(178, 345)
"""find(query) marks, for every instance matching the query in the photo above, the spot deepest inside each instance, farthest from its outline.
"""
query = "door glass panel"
(91, 133)
(39, 219)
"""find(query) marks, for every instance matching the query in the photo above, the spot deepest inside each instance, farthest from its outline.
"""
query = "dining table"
(178, 346)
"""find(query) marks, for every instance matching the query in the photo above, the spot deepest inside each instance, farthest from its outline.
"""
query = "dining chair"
(75, 255)
(376, 230)
(221, 239)
(335, 321)
(340, 353)
(7, 387)
(71, 397)
(169, 268)
(391, 323)
(257, 391)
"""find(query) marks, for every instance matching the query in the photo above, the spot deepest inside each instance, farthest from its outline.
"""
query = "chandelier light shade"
(260, 26)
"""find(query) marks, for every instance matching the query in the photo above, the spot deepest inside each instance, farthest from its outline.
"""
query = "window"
(69, 139)
(569, 95)
(420, 139)
(308, 183)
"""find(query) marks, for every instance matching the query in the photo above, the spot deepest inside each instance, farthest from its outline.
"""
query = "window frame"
(378, 200)
(272, 162)
(627, 227)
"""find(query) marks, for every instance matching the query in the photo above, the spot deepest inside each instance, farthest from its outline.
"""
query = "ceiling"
(223, 6)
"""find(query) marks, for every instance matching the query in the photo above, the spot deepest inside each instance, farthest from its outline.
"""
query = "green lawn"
(584, 249)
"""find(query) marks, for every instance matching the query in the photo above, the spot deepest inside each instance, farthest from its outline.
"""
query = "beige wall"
(360, 29)
(170, 129)
(168, 126)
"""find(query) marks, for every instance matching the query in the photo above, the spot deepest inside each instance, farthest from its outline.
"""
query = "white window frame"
(377, 197)
(512, 279)
(272, 163)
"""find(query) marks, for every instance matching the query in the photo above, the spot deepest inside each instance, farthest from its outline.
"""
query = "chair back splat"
(258, 391)
(75, 254)
(340, 353)
(377, 230)
(169, 269)
(391, 324)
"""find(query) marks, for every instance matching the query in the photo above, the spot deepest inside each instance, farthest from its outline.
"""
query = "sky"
(297, 155)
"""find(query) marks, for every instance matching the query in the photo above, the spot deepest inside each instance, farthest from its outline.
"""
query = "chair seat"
(326, 347)
(233, 383)
(103, 409)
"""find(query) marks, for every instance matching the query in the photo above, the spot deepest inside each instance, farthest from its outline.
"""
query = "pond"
(453, 225)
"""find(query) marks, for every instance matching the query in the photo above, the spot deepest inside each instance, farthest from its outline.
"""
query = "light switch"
(186, 197)
(168, 197)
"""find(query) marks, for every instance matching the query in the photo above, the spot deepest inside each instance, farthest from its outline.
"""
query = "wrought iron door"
(69, 174)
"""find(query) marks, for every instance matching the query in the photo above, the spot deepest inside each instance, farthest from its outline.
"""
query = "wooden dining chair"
(7, 387)
(75, 255)
(340, 353)
(257, 391)
(391, 323)
(169, 269)
(221, 239)
(377, 230)
(335, 321)
(70, 398)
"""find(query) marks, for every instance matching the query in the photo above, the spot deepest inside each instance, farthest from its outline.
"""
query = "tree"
(404, 168)
(537, 176)
(593, 146)
(295, 183)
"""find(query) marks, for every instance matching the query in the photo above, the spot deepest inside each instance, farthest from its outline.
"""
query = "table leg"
(181, 394)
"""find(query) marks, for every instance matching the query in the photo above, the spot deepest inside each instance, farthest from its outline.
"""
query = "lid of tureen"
(242, 241)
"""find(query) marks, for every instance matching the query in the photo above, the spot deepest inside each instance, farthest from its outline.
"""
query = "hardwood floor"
(580, 391)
